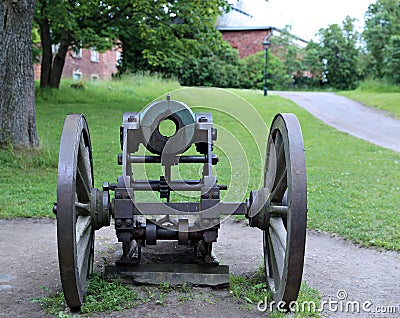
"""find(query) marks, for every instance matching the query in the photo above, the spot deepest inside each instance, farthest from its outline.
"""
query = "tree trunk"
(59, 60)
(17, 87)
(47, 54)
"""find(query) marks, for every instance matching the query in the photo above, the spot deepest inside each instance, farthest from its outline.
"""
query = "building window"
(94, 55)
(94, 77)
(54, 48)
(77, 53)
(77, 75)
(118, 58)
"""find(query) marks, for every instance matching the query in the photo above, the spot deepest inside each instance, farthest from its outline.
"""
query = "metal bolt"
(118, 222)
(128, 222)
(203, 119)
(206, 221)
(206, 195)
(132, 119)
(106, 186)
(215, 195)
(216, 221)
(55, 208)
(118, 195)
(214, 134)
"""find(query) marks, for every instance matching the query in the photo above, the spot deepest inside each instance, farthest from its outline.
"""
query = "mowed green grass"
(378, 94)
(389, 102)
(353, 186)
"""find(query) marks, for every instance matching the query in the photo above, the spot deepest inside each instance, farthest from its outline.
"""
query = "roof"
(237, 19)
(243, 28)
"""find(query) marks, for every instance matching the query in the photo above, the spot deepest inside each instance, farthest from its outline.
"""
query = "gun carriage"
(278, 209)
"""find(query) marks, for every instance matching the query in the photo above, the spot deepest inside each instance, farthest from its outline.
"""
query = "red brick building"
(88, 64)
(242, 31)
(247, 40)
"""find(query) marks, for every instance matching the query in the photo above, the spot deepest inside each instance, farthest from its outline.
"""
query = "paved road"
(351, 117)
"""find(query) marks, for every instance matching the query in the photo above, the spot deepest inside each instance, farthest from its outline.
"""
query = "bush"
(252, 72)
(218, 70)
(391, 55)
(378, 86)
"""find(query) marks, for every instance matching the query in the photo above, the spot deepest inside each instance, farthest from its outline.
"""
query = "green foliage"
(88, 23)
(54, 303)
(252, 75)
(339, 55)
(378, 94)
(159, 35)
(184, 43)
(381, 23)
(312, 63)
(36, 50)
(218, 69)
(252, 289)
(391, 54)
(101, 296)
(288, 52)
(378, 86)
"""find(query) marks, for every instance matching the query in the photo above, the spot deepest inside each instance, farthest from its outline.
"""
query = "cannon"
(278, 208)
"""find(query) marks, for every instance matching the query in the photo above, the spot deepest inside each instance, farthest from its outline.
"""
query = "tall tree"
(17, 88)
(391, 60)
(339, 53)
(381, 23)
(75, 24)
(286, 49)
(155, 34)
(312, 62)
(160, 35)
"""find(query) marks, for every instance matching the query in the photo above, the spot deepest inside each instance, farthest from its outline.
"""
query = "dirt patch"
(28, 262)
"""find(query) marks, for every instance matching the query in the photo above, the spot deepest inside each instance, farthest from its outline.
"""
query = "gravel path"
(28, 262)
(349, 116)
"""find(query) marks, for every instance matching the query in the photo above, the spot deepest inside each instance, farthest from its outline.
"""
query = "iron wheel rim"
(284, 237)
(75, 234)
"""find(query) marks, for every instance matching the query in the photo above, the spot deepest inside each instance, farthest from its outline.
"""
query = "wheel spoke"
(278, 227)
(278, 253)
(280, 187)
(280, 160)
(83, 209)
(275, 277)
(270, 168)
(83, 241)
(84, 179)
(82, 187)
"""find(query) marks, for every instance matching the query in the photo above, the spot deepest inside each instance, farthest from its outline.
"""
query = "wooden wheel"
(285, 234)
(75, 233)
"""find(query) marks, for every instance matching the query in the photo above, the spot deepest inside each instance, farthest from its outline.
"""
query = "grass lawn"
(377, 94)
(353, 186)
(389, 102)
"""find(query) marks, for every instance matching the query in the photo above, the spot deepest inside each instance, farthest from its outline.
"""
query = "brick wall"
(247, 42)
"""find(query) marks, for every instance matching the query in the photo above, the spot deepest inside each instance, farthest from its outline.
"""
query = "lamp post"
(266, 45)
